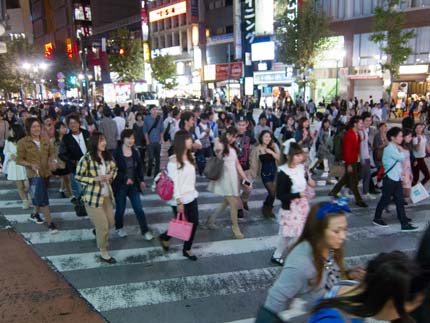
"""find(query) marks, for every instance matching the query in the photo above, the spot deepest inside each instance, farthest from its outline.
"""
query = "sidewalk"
(30, 291)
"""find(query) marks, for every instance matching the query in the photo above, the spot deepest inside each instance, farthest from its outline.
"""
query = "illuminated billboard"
(168, 11)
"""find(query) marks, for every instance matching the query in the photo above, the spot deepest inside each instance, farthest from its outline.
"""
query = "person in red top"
(351, 153)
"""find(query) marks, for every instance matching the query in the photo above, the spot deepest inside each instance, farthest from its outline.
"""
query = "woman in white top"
(419, 143)
(181, 169)
(16, 172)
(228, 184)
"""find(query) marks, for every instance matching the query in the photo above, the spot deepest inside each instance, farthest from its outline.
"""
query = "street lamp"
(339, 57)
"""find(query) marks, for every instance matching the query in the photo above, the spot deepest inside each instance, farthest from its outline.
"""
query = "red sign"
(49, 48)
(221, 71)
(69, 48)
(168, 11)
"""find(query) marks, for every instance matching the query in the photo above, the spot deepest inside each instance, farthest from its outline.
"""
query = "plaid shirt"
(86, 171)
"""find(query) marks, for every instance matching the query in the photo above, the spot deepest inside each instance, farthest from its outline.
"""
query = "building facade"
(19, 20)
(359, 72)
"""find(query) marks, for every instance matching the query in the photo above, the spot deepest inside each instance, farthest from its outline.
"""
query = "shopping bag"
(418, 193)
(80, 208)
(213, 168)
(337, 169)
(180, 228)
(38, 191)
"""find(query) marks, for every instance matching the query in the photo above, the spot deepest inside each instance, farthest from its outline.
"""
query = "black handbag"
(80, 208)
(213, 168)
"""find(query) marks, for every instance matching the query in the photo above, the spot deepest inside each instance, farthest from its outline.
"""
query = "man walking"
(351, 151)
(153, 128)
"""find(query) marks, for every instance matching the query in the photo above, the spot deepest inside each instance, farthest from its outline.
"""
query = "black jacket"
(121, 178)
(283, 190)
(70, 152)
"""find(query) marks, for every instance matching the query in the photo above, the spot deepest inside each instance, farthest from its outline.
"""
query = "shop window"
(184, 41)
(176, 39)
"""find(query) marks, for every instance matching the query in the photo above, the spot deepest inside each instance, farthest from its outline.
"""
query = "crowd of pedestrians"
(103, 155)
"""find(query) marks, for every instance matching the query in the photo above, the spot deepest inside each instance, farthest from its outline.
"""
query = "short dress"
(407, 176)
(14, 172)
(228, 183)
(268, 167)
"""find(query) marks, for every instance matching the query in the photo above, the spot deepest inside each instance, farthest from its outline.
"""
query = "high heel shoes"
(187, 255)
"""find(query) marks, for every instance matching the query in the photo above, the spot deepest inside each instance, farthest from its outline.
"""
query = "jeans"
(365, 175)
(76, 187)
(351, 180)
(154, 152)
(191, 211)
(133, 193)
(392, 190)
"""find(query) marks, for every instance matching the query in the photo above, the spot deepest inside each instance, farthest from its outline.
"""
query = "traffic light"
(121, 51)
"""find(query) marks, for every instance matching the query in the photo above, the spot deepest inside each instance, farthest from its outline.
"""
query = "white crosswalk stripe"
(146, 282)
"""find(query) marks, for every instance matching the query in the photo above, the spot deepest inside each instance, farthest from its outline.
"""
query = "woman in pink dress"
(407, 176)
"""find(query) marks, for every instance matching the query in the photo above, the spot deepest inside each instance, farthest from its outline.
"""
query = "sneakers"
(324, 175)
(148, 236)
(36, 218)
(369, 197)
(409, 227)
(121, 233)
(380, 223)
(26, 204)
(52, 228)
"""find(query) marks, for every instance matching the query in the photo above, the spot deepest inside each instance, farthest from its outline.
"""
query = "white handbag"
(418, 193)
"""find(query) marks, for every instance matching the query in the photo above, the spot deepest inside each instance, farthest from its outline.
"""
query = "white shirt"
(120, 126)
(81, 142)
(103, 172)
(421, 153)
(184, 180)
(297, 176)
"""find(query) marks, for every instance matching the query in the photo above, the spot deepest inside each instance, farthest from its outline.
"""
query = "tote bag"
(180, 228)
(38, 191)
(418, 193)
(213, 168)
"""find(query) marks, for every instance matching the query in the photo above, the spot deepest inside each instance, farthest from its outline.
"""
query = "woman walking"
(324, 146)
(16, 172)
(420, 151)
(228, 184)
(303, 136)
(407, 176)
(263, 162)
(95, 172)
(393, 287)
(61, 167)
(291, 190)
(182, 170)
(36, 154)
(129, 183)
(314, 264)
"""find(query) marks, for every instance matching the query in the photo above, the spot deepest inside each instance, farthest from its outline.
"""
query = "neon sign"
(168, 11)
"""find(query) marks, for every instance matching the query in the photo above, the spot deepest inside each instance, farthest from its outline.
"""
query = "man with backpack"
(350, 155)
(153, 128)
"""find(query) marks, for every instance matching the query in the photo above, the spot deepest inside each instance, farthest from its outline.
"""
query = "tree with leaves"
(14, 78)
(164, 70)
(126, 56)
(391, 37)
(301, 37)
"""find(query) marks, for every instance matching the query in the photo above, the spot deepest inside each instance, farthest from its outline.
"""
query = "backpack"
(164, 186)
(166, 134)
(338, 145)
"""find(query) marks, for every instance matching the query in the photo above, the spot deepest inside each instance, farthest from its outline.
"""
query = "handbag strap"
(180, 216)
(386, 173)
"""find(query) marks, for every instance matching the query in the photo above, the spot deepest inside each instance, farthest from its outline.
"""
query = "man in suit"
(72, 148)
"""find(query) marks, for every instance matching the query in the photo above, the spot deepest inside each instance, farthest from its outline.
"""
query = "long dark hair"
(232, 131)
(93, 143)
(57, 131)
(18, 133)
(180, 147)
(314, 233)
(390, 276)
(260, 138)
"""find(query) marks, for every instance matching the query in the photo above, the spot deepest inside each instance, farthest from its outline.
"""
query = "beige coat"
(28, 152)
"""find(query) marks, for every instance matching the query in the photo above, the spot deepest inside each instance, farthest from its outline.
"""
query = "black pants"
(191, 211)
(154, 152)
(392, 190)
(420, 167)
(351, 181)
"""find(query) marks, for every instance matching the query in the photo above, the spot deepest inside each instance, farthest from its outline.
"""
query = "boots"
(267, 211)
(235, 227)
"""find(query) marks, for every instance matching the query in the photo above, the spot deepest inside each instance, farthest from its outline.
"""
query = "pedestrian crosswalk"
(227, 283)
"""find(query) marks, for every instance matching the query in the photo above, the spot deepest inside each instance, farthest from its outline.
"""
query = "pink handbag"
(180, 228)
(164, 187)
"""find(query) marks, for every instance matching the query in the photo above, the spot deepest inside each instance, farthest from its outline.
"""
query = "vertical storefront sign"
(264, 18)
(237, 34)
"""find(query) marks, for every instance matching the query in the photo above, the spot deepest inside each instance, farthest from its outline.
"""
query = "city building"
(355, 63)
(18, 20)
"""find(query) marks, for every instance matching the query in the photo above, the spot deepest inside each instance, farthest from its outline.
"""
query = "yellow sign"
(168, 11)
(146, 53)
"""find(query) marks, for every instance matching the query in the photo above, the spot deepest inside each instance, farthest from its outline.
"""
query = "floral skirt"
(292, 221)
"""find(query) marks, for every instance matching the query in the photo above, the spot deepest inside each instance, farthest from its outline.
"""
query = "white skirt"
(15, 172)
